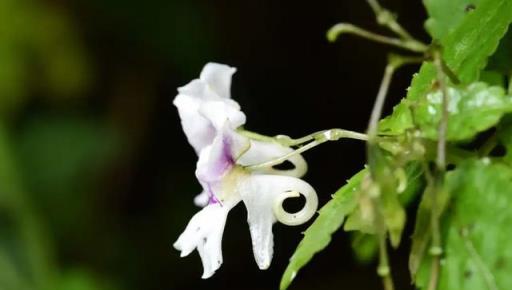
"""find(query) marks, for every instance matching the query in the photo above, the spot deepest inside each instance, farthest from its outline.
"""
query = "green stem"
(318, 138)
(342, 28)
(387, 19)
(384, 269)
(329, 135)
(379, 103)
(322, 136)
(256, 136)
(394, 62)
(436, 249)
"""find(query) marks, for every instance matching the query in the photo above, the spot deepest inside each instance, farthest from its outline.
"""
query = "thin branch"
(383, 269)
(394, 62)
(387, 19)
(436, 249)
(434, 273)
(342, 28)
(443, 124)
(379, 102)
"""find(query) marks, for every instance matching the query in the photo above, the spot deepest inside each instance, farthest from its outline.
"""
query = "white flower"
(205, 104)
(210, 120)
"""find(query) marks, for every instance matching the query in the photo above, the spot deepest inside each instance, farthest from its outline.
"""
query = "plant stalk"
(408, 44)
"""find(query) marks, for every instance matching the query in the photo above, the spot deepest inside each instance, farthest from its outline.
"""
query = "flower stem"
(318, 138)
(256, 136)
(324, 135)
(283, 158)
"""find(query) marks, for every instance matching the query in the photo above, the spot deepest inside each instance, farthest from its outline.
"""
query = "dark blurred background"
(96, 176)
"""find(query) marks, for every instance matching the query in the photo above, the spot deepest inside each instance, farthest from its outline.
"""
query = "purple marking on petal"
(226, 150)
(221, 162)
(212, 199)
(225, 161)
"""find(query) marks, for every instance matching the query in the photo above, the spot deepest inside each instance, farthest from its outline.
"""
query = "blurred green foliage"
(62, 156)
(47, 166)
(39, 50)
(64, 129)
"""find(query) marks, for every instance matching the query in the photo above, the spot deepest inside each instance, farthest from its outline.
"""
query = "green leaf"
(394, 216)
(476, 229)
(467, 48)
(445, 16)
(467, 42)
(365, 246)
(318, 235)
(472, 109)
(401, 119)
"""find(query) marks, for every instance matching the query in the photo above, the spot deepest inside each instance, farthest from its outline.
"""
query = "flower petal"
(219, 112)
(199, 130)
(201, 199)
(218, 77)
(261, 152)
(217, 159)
(204, 105)
(204, 233)
(260, 194)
